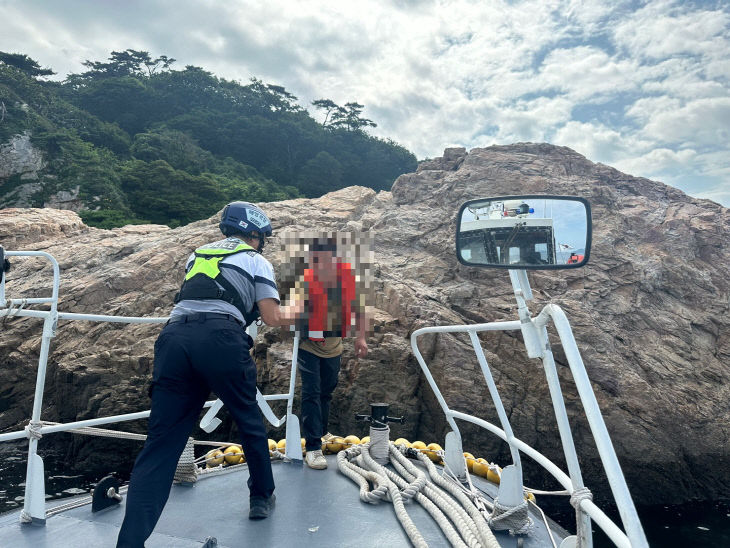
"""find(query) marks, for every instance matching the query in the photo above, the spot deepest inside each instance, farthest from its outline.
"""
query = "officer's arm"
(275, 315)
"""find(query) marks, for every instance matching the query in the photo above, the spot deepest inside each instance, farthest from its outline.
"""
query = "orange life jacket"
(317, 298)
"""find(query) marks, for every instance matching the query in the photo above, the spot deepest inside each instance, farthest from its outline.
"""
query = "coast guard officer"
(204, 347)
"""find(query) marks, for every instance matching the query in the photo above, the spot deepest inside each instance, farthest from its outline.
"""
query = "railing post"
(293, 434)
(614, 474)
(583, 521)
(35, 491)
(2, 277)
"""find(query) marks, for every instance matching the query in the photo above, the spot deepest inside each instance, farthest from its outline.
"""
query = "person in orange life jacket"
(329, 289)
(204, 347)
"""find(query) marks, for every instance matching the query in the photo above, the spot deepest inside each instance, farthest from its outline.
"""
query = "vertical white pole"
(583, 520)
(2, 278)
(614, 474)
(293, 433)
(35, 492)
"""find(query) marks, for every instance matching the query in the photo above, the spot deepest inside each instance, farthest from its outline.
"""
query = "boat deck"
(313, 508)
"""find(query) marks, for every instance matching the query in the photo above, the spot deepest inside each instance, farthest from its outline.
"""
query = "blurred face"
(324, 264)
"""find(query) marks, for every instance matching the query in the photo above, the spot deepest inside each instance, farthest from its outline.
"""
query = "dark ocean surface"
(704, 524)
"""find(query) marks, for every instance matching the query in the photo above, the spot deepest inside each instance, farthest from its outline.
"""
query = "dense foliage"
(145, 143)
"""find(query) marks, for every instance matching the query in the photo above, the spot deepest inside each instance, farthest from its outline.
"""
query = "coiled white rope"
(33, 429)
(514, 518)
(379, 444)
(434, 504)
(382, 484)
(485, 534)
(186, 471)
(467, 525)
(469, 528)
(579, 495)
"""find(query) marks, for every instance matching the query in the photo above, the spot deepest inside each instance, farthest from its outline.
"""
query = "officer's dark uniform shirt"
(250, 273)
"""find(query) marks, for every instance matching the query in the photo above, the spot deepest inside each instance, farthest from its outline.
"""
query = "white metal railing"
(34, 501)
(534, 332)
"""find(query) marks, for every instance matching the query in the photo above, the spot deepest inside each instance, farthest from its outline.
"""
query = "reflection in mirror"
(524, 232)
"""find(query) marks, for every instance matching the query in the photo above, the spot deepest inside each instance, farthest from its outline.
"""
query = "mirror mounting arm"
(521, 287)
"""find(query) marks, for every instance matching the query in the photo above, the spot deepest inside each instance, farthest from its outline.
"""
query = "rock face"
(650, 314)
(19, 157)
(23, 177)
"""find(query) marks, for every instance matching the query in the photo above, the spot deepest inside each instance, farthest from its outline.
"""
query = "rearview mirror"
(532, 232)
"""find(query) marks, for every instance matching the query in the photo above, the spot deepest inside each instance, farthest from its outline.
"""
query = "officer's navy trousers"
(191, 359)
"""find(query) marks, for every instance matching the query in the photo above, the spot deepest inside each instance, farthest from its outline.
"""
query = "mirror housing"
(536, 232)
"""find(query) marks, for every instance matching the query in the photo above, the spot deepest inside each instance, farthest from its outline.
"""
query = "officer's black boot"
(261, 507)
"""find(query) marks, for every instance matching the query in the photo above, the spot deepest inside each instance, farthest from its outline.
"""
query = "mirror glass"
(536, 232)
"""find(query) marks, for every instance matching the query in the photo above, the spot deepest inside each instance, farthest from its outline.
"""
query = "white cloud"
(719, 194)
(704, 122)
(585, 72)
(596, 141)
(657, 162)
(662, 29)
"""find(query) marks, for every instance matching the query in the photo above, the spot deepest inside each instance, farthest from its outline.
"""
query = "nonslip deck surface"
(313, 508)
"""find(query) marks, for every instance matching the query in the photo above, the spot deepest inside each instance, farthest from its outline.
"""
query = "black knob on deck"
(379, 416)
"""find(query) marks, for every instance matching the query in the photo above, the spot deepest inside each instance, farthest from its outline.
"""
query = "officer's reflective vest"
(205, 281)
(317, 297)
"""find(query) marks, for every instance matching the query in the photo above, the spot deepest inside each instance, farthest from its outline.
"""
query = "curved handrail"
(604, 522)
(634, 535)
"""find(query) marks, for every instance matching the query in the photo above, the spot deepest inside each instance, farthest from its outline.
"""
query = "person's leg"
(329, 373)
(309, 369)
(177, 398)
(231, 374)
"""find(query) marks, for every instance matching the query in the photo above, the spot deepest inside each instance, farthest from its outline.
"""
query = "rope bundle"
(462, 523)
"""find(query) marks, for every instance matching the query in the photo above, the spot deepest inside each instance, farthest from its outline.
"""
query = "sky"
(641, 86)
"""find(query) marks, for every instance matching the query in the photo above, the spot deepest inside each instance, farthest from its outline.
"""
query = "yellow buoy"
(214, 458)
(481, 467)
(469, 461)
(493, 473)
(418, 445)
(365, 440)
(402, 441)
(281, 446)
(352, 440)
(431, 452)
(530, 497)
(233, 454)
(272, 445)
(335, 444)
(304, 446)
(327, 446)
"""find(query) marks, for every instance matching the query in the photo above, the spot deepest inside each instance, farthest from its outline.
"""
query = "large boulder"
(649, 313)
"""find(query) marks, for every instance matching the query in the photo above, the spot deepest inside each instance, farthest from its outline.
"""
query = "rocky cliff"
(23, 178)
(650, 313)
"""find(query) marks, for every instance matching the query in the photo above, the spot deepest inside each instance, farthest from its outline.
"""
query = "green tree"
(329, 107)
(125, 101)
(320, 175)
(24, 63)
(78, 164)
(164, 195)
(349, 117)
(126, 63)
(175, 147)
(109, 218)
